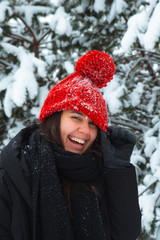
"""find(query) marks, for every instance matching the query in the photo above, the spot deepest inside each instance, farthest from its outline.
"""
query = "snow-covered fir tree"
(40, 41)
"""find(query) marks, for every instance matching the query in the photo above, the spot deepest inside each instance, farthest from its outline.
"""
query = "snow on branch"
(144, 26)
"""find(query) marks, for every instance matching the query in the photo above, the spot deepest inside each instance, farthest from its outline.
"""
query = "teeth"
(77, 140)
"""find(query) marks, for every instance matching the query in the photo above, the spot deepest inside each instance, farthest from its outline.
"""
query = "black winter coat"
(119, 205)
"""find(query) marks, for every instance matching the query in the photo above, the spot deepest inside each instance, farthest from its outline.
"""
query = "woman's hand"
(117, 147)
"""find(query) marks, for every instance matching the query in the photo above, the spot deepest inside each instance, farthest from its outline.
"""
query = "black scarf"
(76, 167)
(51, 220)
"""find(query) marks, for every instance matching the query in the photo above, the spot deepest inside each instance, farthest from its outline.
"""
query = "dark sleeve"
(122, 200)
(5, 209)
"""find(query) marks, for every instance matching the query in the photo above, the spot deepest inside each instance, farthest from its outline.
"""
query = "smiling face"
(78, 132)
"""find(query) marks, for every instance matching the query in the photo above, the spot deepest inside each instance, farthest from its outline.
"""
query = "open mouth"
(77, 140)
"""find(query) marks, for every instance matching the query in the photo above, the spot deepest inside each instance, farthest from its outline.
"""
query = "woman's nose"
(84, 128)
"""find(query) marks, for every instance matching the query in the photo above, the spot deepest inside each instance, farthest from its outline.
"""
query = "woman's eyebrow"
(78, 113)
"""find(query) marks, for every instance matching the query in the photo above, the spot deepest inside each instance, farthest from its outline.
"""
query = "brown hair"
(51, 129)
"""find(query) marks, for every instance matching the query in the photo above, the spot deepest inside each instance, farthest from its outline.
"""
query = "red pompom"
(98, 66)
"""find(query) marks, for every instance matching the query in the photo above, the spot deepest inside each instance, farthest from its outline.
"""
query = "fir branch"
(150, 69)
(157, 199)
(130, 124)
(18, 37)
(49, 31)
(4, 63)
(35, 43)
(27, 26)
(136, 66)
(151, 185)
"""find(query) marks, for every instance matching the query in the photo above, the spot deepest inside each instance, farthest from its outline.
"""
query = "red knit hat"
(80, 91)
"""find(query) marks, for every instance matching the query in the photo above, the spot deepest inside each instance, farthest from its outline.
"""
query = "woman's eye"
(93, 124)
(75, 117)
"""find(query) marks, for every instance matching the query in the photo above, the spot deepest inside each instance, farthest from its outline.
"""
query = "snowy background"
(40, 41)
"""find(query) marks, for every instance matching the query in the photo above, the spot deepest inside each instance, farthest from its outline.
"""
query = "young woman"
(70, 177)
